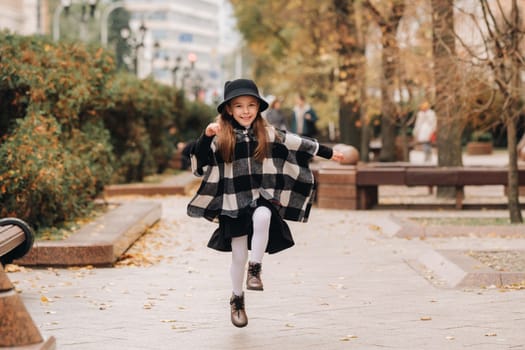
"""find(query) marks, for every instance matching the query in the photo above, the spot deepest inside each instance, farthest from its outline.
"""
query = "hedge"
(70, 124)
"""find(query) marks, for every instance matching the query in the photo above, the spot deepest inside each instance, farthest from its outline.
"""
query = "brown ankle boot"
(253, 279)
(238, 313)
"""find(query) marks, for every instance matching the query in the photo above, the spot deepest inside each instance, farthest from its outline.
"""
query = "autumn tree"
(350, 50)
(449, 123)
(388, 21)
(288, 47)
(310, 47)
(500, 28)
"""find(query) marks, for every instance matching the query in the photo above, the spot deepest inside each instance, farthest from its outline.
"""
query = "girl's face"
(244, 109)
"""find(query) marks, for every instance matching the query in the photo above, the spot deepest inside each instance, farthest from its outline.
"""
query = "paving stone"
(345, 284)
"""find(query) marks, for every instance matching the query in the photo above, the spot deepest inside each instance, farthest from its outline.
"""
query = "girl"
(254, 177)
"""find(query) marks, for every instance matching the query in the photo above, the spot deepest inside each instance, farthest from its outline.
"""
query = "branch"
(375, 13)
(487, 12)
(509, 25)
(397, 13)
(487, 105)
(478, 26)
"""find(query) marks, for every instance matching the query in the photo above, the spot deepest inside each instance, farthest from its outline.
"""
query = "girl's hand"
(212, 129)
(337, 156)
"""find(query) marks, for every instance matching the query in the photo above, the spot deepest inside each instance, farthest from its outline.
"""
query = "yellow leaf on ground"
(348, 337)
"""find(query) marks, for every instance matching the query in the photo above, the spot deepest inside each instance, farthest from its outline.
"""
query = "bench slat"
(370, 176)
(10, 238)
(5, 228)
(380, 176)
(435, 177)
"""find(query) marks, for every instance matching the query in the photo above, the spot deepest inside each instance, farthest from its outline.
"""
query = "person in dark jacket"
(304, 118)
(254, 177)
(274, 115)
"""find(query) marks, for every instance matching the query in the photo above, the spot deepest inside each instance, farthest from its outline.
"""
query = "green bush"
(194, 118)
(138, 121)
(70, 124)
(481, 136)
(56, 153)
(44, 182)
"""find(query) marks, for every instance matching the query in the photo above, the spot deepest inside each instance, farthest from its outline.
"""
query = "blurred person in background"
(425, 129)
(304, 118)
(274, 115)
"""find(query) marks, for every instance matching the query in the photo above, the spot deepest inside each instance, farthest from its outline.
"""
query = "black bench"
(368, 178)
(17, 329)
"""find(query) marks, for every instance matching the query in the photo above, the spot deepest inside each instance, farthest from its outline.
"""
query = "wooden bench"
(16, 239)
(17, 329)
(368, 178)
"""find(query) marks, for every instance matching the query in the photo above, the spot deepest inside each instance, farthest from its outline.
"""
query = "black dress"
(280, 237)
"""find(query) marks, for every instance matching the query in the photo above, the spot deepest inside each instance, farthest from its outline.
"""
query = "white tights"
(261, 227)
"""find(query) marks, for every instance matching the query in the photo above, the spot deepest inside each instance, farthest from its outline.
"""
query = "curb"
(410, 229)
(454, 268)
(458, 270)
(101, 242)
(180, 184)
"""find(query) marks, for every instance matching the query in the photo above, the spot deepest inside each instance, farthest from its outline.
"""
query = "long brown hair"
(226, 138)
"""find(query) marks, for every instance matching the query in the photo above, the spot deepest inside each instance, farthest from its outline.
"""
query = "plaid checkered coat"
(284, 179)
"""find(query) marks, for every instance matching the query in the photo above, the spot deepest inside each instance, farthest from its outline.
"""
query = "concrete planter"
(479, 148)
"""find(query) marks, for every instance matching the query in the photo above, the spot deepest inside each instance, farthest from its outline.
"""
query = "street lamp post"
(187, 71)
(174, 71)
(135, 41)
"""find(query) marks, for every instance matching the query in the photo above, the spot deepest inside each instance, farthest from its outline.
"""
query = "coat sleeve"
(325, 152)
(201, 154)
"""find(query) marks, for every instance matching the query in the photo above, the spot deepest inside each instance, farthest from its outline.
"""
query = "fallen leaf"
(426, 318)
(12, 268)
(374, 227)
(348, 337)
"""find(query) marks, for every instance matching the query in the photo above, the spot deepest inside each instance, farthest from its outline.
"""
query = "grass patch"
(460, 221)
(67, 228)
(159, 178)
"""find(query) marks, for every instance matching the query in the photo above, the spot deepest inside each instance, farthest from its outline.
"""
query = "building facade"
(24, 17)
(181, 47)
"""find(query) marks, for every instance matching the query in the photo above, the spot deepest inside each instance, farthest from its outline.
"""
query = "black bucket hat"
(241, 87)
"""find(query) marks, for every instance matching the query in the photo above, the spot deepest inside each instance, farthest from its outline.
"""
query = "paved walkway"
(345, 285)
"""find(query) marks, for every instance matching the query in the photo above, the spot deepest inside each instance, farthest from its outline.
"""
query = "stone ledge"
(411, 229)
(100, 242)
(453, 268)
(456, 269)
(180, 184)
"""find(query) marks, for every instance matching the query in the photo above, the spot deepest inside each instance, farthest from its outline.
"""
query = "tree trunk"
(389, 57)
(365, 129)
(351, 59)
(446, 76)
(513, 181)
(512, 118)
(348, 117)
